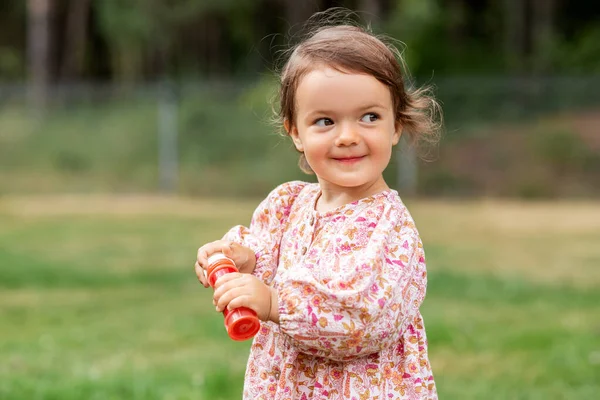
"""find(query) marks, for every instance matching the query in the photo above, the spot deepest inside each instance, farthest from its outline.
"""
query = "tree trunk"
(515, 37)
(456, 15)
(75, 40)
(214, 51)
(38, 47)
(128, 64)
(542, 33)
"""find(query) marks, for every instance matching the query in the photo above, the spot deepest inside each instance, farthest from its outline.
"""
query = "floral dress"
(350, 283)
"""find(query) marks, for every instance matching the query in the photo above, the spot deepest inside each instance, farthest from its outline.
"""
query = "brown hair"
(350, 48)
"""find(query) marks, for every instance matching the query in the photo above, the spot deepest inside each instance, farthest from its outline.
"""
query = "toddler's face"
(345, 126)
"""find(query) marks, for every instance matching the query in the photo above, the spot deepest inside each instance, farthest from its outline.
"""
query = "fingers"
(229, 287)
(237, 253)
(223, 246)
(231, 297)
(227, 250)
(229, 281)
(201, 274)
(242, 290)
(202, 256)
(206, 251)
(203, 253)
(244, 300)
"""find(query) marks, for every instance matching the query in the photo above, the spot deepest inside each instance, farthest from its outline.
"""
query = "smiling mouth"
(349, 160)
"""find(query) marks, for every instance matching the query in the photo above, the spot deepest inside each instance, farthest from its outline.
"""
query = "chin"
(349, 183)
(347, 179)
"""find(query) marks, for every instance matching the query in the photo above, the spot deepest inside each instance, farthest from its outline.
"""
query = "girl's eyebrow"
(373, 105)
(320, 112)
(361, 108)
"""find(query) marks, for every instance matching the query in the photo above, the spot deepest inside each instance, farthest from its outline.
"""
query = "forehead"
(328, 88)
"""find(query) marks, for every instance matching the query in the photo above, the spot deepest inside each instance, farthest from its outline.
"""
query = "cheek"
(383, 145)
(386, 154)
(315, 144)
(384, 151)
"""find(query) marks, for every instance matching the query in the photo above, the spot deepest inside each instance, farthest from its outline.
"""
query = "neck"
(333, 196)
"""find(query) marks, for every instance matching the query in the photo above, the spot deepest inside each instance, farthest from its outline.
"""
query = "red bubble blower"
(241, 323)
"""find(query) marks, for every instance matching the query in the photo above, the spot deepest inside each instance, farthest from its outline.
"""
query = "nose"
(348, 136)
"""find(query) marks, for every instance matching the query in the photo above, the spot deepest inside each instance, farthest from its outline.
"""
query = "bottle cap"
(242, 324)
(217, 256)
(218, 265)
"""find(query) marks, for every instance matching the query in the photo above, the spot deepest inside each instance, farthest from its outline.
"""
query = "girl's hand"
(242, 290)
(243, 257)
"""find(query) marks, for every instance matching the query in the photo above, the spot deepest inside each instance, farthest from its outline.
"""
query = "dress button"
(277, 374)
(303, 250)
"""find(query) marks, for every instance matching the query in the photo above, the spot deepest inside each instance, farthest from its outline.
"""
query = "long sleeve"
(266, 227)
(371, 303)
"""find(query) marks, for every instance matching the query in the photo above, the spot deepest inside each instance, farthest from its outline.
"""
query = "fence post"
(168, 167)
(406, 164)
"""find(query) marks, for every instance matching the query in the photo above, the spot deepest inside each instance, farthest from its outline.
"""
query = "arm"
(266, 229)
(372, 308)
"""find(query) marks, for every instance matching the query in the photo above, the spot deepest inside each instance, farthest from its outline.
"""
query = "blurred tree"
(514, 34)
(13, 43)
(126, 27)
(297, 12)
(38, 43)
(543, 33)
(529, 34)
(416, 23)
(75, 37)
(140, 40)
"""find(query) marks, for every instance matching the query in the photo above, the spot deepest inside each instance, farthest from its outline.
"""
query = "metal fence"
(206, 137)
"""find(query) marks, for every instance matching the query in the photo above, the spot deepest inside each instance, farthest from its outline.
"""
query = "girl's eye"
(322, 122)
(370, 117)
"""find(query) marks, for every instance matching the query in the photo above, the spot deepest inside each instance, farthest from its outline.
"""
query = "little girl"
(336, 270)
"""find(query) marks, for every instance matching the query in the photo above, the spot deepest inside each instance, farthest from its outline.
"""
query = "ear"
(397, 133)
(292, 131)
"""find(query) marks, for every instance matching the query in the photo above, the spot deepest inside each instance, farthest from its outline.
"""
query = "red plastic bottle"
(241, 323)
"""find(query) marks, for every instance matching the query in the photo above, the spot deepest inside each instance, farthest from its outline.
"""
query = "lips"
(349, 160)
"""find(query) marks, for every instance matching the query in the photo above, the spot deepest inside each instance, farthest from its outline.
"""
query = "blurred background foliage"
(176, 95)
(140, 41)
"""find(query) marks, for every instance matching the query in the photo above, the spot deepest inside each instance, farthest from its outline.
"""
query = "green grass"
(99, 301)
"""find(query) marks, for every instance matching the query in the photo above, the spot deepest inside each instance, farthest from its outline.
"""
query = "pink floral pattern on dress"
(350, 283)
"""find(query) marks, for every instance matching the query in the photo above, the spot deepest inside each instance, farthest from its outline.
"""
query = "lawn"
(98, 299)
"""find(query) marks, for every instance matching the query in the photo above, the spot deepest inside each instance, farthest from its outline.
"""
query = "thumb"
(228, 250)
(236, 252)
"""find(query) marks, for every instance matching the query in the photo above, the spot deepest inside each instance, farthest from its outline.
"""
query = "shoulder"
(401, 225)
(289, 189)
(286, 193)
(281, 198)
